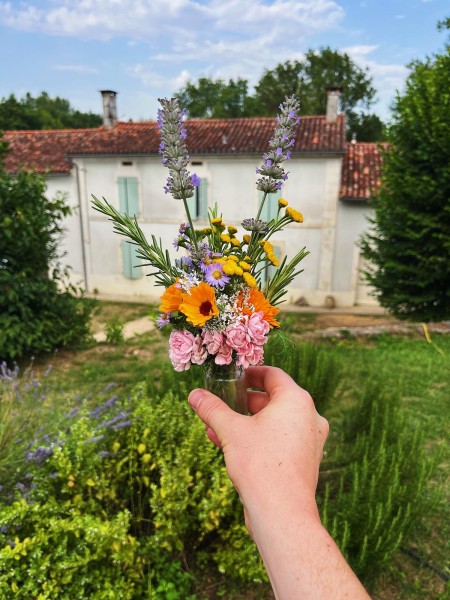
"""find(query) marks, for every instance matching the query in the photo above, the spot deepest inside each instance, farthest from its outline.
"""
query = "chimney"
(109, 108)
(333, 94)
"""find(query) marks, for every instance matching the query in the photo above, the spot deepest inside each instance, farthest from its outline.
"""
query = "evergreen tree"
(39, 310)
(409, 244)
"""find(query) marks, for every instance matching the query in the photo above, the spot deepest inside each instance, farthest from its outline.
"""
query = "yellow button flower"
(232, 229)
(246, 238)
(250, 280)
(268, 248)
(233, 257)
(273, 259)
(225, 238)
(235, 242)
(229, 267)
(295, 215)
(282, 202)
(244, 265)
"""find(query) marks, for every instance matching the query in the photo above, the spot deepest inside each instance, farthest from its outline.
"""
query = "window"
(129, 205)
(198, 203)
(270, 208)
(269, 212)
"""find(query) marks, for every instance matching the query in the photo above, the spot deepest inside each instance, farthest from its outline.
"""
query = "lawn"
(409, 365)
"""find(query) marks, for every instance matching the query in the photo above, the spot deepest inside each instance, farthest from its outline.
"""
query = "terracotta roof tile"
(51, 150)
(361, 170)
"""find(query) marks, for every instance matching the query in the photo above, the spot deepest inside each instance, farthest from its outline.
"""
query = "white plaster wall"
(70, 243)
(352, 221)
(329, 231)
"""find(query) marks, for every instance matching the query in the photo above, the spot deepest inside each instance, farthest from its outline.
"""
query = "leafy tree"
(209, 98)
(409, 244)
(366, 127)
(308, 80)
(39, 311)
(43, 112)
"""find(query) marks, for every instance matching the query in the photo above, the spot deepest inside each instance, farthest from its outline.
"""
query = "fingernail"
(195, 397)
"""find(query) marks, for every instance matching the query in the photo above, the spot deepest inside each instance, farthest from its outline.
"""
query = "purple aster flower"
(195, 180)
(215, 276)
(163, 320)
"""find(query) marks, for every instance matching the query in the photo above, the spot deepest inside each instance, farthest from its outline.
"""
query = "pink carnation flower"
(225, 355)
(258, 328)
(237, 336)
(252, 355)
(181, 348)
(213, 341)
(199, 352)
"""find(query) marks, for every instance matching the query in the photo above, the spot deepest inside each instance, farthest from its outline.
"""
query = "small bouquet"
(214, 299)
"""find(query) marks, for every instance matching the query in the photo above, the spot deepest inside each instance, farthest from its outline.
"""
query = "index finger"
(274, 381)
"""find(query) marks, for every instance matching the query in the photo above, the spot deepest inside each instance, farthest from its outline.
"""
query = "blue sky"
(146, 49)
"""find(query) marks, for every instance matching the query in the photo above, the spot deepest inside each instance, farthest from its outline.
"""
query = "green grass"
(407, 364)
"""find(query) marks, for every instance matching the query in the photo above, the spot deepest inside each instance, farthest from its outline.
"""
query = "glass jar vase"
(228, 383)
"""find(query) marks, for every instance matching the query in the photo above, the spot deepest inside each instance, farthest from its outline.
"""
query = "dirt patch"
(340, 320)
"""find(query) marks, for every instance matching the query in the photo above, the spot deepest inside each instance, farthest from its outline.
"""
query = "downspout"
(83, 250)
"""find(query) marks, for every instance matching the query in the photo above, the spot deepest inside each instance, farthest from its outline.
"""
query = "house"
(329, 182)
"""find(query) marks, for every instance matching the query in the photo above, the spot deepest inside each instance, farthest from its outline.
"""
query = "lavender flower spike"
(174, 151)
(283, 139)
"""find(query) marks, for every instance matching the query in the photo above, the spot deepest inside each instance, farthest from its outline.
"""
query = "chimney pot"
(109, 108)
(333, 94)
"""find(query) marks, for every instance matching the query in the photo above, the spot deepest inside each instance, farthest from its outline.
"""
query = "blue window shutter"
(132, 196)
(192, 205)
(131, 263)
(128, 196)
(198, 203)
(203, 200)
(129, 205)
(270, 207)
(123, 201)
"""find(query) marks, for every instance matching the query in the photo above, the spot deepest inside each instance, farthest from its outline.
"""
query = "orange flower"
(171, 299)
(261, 304)
(199, 305)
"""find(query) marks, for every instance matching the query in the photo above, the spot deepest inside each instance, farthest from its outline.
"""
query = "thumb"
(212, 411)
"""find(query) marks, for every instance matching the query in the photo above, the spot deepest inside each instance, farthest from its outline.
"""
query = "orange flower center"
(205, 308)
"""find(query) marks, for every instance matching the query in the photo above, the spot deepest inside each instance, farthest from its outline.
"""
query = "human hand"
(273, 460)
(273, 456)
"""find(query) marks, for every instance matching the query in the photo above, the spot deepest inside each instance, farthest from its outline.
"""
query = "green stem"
(193, 236)
(261, 205)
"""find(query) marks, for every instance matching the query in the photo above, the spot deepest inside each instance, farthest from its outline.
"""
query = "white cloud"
(76, 68)
(145, 19)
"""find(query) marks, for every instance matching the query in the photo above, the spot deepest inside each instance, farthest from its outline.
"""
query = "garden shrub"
(375, 481)
(127, 496)
(313, 367)
(39, 309)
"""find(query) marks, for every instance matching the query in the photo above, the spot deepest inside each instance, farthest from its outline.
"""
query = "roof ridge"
(64, 130)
